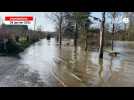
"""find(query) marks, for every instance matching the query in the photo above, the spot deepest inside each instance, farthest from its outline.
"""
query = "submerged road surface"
(44, 64)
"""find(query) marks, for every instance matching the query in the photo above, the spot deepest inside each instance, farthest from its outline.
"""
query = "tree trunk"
(113, 32)
(60, 36)
(102, 36)
(76, 35)
(86, 45)
(60, 32)
(125, 28)
(57, 37)
(86, 41)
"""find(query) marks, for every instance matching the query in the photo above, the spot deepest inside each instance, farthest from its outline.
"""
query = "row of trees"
(73, 23)
(78, 25)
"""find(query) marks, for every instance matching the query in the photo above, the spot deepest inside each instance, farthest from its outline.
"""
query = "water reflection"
(101, 70)
(105, 71)
(69, 66)
(41, 59)
(110, 68)
(45, 64)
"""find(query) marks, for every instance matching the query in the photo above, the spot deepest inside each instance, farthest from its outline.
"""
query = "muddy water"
(44, 64)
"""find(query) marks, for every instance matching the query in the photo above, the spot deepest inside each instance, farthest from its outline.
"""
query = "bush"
(13, 47)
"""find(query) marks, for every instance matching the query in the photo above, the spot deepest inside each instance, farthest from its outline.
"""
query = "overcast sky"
(41, 17)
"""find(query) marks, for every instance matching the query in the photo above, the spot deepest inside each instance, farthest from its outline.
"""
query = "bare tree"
(113, 28)
(114, 16)
(58, 19)
(102, 36)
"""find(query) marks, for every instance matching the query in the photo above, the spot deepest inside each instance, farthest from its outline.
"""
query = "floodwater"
(44, 64)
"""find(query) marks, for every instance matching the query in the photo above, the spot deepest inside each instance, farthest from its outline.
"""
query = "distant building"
(15, 27)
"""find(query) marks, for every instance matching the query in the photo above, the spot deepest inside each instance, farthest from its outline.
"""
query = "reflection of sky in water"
(107, 66)
(114, 62)
(41, 58)
(94, 58)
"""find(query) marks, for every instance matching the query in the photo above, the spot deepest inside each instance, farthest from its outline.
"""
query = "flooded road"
(44, 64)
